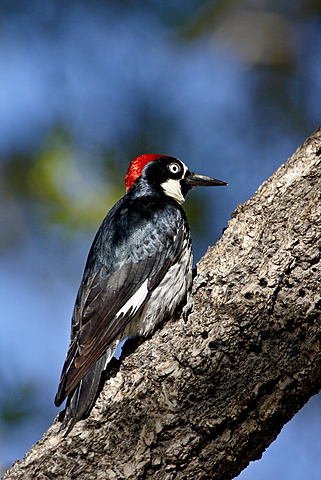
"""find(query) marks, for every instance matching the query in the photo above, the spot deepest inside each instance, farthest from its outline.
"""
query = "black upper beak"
(193, 180)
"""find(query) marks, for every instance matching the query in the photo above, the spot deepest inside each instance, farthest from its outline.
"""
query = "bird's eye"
(174, 167)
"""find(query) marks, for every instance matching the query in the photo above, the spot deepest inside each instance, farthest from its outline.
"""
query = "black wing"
(112, 292)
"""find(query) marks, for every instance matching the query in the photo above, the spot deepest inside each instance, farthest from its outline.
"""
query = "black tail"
(82, 399)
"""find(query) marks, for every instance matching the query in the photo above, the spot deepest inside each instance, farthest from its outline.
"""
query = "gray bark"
(208, 393)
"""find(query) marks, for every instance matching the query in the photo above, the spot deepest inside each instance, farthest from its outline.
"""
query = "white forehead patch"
(172, 187)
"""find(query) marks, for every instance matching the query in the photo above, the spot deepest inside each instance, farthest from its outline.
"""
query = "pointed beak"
(193, 180)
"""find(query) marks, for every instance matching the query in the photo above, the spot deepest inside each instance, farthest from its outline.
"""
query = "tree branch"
(207, 394)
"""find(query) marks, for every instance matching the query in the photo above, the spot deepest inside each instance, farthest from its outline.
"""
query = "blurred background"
(232, 88)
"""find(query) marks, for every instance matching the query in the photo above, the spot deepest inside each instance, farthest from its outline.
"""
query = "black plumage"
(138, 270)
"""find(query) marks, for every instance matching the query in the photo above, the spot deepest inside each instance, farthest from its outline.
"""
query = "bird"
(138, 271)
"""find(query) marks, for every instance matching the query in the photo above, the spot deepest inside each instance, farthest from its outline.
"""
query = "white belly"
(166, 296)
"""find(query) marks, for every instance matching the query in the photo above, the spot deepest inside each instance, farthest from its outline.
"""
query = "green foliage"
(60, 185)
(17, 404)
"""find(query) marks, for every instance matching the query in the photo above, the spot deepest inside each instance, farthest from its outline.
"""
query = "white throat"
(172, 188)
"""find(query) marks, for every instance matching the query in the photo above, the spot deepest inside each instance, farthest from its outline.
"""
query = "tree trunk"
(209, 391)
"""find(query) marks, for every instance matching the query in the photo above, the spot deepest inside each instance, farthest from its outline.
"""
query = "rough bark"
(207, 394)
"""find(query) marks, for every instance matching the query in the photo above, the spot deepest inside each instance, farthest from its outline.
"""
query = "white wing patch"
(172, 188)
(166, 296)
(135, 301)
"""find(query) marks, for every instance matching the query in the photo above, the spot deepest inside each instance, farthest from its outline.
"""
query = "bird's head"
(167, 173)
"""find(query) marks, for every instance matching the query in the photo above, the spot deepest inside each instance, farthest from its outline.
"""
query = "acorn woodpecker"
(138, 271)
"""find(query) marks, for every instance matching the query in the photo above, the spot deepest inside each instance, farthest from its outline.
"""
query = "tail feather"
(82, 399)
